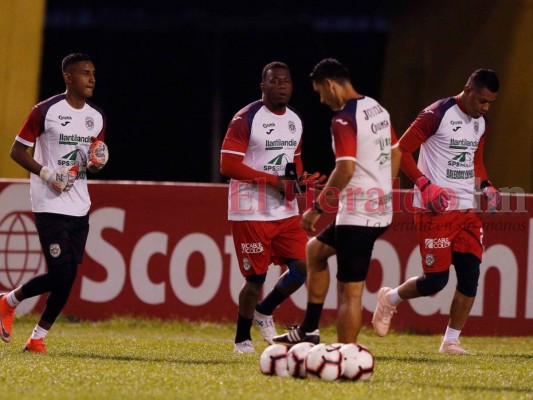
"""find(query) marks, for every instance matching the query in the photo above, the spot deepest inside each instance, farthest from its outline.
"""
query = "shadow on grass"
(128, 358)
(477, 388)
(417, 358)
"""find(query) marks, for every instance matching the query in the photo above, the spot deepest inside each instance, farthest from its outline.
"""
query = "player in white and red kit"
(451, 134)
(262, 140)
(67, 133)
(366, 159)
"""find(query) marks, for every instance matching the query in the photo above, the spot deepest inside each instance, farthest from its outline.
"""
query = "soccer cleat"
(7, 314)
(384, 312)
(244, 347)
(298, 336)
(451, 346)
(266, 325)
(35, 346)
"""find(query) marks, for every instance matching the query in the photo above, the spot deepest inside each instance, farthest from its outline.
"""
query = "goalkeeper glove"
(493, 195)
(315, 181)
(434, 197)
(98, 154)
(61, 179)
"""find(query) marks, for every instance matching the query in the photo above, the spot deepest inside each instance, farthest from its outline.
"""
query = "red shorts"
(440, 234)
(260, 243)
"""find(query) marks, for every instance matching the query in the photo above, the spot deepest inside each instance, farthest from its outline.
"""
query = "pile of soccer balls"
(322, 361)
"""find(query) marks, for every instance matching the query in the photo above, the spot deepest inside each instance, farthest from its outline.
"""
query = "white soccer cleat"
(244, 347)
(384, 312)
(266, 325)
(452, 347)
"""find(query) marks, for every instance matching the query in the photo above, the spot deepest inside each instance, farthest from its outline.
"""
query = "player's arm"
(396, 154)
(493, 195)
(60, 179)
(232, 155)
(344, 132)
(231, 165)
(19, 153)
(434, 197)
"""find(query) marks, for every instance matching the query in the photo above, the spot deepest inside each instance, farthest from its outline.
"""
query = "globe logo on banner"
(21, 256)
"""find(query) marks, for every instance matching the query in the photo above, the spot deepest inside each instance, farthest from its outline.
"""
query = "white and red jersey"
(362, 132)
(267, 141)
(61, 135)
(451, 139)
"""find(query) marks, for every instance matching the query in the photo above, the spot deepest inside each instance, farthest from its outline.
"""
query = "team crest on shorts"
(246, 264)
(430, 259)
(89, 123)
(55, 250)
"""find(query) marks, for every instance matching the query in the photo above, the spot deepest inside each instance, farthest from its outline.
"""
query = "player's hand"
(434, 197)
(98, 154)
(315, 181)
(494, 198)
(309, 220)
(61, 179)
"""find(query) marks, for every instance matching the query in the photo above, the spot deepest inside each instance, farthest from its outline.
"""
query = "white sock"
(38, 332)
(11, 299)
(394, 297)
(451, 334)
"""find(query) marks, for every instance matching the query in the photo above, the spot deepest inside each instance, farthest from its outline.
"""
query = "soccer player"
(366, 159)
(67, 133)
(450, 134)
(261, 141)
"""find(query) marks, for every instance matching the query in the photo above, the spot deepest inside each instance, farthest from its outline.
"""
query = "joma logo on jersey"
(277, 163)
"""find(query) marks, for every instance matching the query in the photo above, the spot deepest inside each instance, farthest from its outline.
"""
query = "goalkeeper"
(261, 154)
(451, 134)
(67, 133)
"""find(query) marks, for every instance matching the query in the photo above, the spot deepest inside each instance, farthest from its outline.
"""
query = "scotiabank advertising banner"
(164, 250)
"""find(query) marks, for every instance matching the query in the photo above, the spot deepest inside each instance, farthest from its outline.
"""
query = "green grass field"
(145, 359)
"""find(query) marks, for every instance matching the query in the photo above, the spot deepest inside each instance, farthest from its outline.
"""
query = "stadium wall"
(164, 250)
(21, 36)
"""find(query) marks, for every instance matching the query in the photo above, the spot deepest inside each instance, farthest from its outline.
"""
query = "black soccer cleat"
(297, 336)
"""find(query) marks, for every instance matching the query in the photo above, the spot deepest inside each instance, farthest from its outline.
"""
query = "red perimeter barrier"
(165, 250)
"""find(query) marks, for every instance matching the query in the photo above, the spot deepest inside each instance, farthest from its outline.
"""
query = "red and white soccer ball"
(324, 362)
(358, 362)
(273, 360)
(296, 359)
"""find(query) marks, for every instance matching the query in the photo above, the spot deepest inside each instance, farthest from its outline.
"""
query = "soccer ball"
(273, 360)
(296, 359)
(324, 362)
(358, 362)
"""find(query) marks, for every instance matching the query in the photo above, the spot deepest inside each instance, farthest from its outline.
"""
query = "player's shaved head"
(72, 59)
(330, 68)
(273, 65)
(484, 78)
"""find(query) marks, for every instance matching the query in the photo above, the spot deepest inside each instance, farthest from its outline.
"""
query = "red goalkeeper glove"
(315, 181)
(494, 197)
(98, 154)
(61, 179)
(434, 197)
